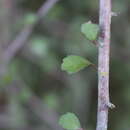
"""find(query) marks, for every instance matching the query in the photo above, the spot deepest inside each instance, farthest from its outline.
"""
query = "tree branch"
(22, 37)
(103, 65)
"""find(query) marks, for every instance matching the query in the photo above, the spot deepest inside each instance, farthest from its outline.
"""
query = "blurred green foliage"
(34, 91)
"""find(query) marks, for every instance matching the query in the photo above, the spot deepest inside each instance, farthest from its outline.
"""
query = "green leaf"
(39, 46)
(73, 64)
(90, 30)
(51, 100)
(30, 18)
(69, 121)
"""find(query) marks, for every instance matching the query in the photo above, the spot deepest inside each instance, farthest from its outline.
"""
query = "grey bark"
(103, 65)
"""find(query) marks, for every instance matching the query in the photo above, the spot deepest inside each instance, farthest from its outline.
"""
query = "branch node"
(96, 43)
(114, 14)
(101, 42)
(110, 105)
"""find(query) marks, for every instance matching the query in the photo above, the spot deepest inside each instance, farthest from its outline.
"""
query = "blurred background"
(35, 35)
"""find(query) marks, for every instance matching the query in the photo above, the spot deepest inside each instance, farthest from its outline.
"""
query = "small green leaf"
(69, 121)
(51, 100)
(30, 18)
(90, 30)
(39, 46)
(73, 64)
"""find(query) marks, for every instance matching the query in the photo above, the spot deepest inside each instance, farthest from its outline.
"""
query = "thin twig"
(22, 37)
(103, 65)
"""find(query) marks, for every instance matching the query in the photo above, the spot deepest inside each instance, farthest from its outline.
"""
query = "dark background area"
(34, 92)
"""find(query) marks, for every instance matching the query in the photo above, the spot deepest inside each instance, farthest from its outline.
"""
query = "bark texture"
(103, 64)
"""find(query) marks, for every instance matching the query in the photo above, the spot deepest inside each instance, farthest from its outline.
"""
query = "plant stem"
(103, 65)
(22, 37)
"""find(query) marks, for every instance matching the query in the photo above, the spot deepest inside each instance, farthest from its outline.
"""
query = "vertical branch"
(5, 27)
(5, 15)
(103, 65)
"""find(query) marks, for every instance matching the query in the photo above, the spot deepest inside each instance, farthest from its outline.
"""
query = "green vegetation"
(36, 90)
